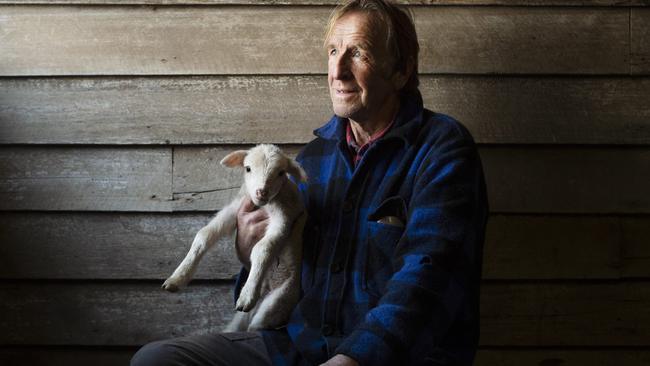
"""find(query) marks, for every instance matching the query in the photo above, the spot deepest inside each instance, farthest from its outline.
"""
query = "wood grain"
(595, 314)
(116, 40)
(100, 179)
(562, 357)
(39, 245)
(285, 109)
(109, 314)
(43, 245)
(519, 179)
(640, 41)
(333, 2)
(82, 356)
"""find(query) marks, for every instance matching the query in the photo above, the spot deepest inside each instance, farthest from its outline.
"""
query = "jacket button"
(337, 267)
(328, 330)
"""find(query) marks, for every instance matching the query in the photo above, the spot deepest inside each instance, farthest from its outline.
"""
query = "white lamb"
(275, 260)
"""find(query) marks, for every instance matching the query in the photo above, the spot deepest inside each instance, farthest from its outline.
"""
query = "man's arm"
(428, 279)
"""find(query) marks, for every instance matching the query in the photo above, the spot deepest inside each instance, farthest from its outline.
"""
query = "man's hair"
(401, 39)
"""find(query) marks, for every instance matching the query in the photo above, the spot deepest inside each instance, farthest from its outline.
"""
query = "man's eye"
(332, 52)
(356, 53)
(248, 169)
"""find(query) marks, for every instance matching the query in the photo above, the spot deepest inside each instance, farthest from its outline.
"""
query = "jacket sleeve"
(436, 265)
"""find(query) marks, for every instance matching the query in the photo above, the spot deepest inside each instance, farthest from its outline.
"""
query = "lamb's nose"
(261, 193)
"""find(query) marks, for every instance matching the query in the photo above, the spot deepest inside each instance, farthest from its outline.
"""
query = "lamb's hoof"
(244, 304)
(170, 286)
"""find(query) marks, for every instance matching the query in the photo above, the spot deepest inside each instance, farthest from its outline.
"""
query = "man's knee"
(160, 353)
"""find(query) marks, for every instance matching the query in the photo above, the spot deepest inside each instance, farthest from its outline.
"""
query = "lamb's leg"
(262, 256)
(239, 322)
(222, 224)
(275, 309)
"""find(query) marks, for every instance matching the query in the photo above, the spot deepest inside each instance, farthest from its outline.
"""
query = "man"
(397, 209)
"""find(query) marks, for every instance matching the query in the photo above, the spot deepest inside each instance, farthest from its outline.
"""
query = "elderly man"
(397, 210)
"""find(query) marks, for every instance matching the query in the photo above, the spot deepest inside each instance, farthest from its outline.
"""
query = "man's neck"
(363, 131)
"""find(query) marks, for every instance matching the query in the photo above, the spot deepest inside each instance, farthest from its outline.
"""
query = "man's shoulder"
(440, 126)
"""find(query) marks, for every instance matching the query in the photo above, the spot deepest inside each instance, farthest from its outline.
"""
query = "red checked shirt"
(357, 151)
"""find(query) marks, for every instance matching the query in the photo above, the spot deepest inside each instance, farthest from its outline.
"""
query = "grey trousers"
(223, 349)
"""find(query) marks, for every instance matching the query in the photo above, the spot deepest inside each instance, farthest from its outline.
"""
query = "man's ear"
(401, 77)
(235, 158)
(297, 171)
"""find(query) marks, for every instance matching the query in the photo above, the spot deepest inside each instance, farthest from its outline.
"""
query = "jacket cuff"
(367, 349)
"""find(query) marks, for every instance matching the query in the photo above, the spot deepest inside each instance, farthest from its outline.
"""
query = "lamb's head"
(266, 169)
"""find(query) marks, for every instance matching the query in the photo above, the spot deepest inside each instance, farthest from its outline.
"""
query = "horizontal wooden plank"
(566, 247)
(104, 179)
(116, 40)
(66, 356)
(82, 356)
(41, 245)
(567, 180)
(562, 357)
(285, 109)
(640, 39)
(334, 2)
(605, 314)
(519, 179)
(109, 314)
(106, 246)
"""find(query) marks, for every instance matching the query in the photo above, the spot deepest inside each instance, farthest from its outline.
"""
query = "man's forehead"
(356, 27)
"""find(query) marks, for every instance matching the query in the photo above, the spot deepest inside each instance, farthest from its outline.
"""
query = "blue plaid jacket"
(385, 293)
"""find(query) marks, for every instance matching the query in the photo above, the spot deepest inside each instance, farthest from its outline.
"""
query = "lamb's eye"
(281, 173)
(248, 169)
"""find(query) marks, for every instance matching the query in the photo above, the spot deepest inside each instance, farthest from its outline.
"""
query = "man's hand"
(251, 226)
(340, 360)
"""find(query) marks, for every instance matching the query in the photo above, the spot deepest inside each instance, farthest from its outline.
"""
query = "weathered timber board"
(519, 179)
(563, 357)
(285, 109)
(101, 179)
(334, 2)
(96, 40)
(83, 356)
(602, 314)
(640, 36)
(66, 356)
(43, 245)
(109, 314)
(106, 246)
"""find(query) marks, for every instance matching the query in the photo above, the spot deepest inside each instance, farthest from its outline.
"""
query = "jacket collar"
(408, 118)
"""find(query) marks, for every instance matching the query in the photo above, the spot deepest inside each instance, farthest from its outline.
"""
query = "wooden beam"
(285, 109)
(617, 3)
(43, 245)
(640, 41)
(101, 179)
(103, 356)
(591, 314)
(118, 40)
(520, 179)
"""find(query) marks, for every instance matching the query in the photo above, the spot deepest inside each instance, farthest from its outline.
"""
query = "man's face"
(360, 77)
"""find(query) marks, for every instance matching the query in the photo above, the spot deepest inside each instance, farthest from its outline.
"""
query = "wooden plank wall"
(115, 113)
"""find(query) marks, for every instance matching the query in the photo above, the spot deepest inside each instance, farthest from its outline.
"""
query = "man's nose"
(340, 67)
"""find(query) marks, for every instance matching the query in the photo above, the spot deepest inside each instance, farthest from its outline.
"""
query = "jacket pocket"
(380, 249)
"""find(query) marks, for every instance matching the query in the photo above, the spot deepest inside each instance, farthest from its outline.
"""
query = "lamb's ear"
(235, 158)
(296, 171)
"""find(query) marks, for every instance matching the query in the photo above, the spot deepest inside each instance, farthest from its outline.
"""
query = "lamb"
(273, 285)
